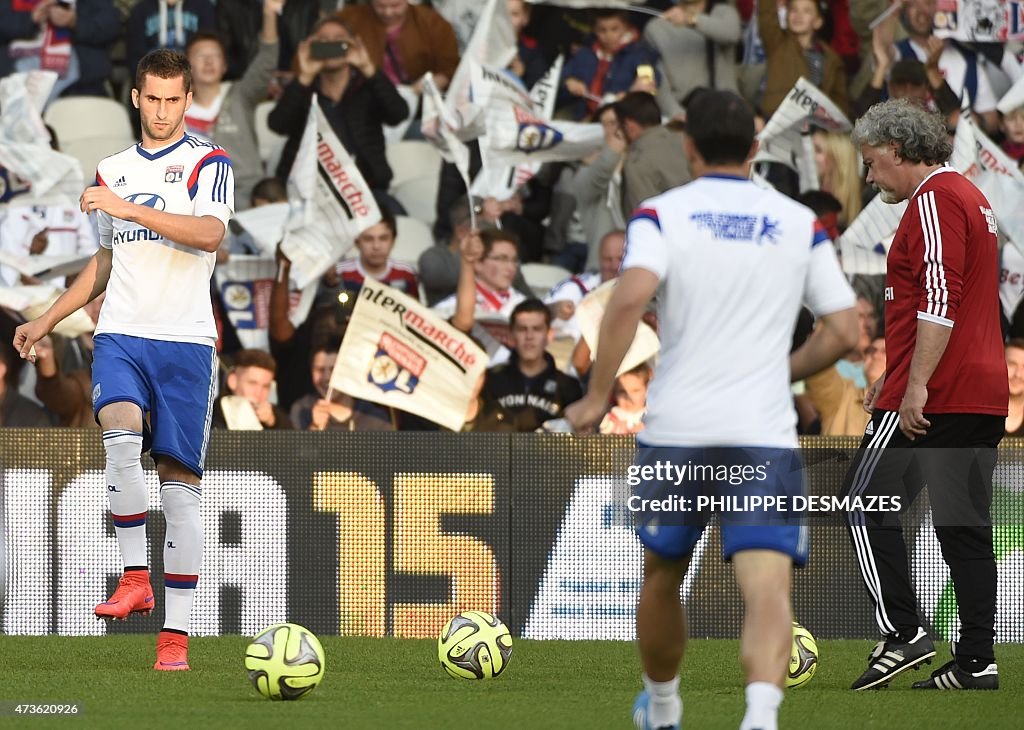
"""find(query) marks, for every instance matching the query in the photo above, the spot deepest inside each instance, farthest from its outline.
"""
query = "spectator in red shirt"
(375, 245)
(939, 411)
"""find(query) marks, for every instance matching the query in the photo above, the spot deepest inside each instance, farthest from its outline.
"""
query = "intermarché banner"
(392, 534)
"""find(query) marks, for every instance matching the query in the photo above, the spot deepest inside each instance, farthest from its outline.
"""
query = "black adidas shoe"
(892, 657)
(952, 676)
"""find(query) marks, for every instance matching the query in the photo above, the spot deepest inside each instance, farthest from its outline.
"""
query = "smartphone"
(323, 50)
(645, 71)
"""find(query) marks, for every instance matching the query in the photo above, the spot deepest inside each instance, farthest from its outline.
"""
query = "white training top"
(160, 289)
(735, 263)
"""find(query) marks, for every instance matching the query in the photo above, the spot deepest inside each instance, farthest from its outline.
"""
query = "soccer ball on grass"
(803, 658)
(474, 645)
(285, 662)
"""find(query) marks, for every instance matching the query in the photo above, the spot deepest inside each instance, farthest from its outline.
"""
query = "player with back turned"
(162, 207)
(731, 264)
(938, 411)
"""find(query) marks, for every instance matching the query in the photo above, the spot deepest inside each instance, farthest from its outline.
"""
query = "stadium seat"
(89, 128)
(81, 117)
(414, 237)
(270, 143)
(90, 151)
(541, 277)
(419, 197)
(410, 159)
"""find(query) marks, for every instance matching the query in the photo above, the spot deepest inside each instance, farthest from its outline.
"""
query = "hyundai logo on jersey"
(150, 200)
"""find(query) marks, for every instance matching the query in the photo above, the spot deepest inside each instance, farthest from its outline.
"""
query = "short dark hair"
(819, 5)
(1015, 342)
(329, 344)
(533, 304)
(599, 112)
(388, 219)
(493, 236)
(253, 359)
(206, 35)
(643, 371)
(610, 13)
(908, 71)
(271, 189)
(164, 64)
(721, 125)
(639, 106)
(459, 212)
(336, 19)
(820, 202)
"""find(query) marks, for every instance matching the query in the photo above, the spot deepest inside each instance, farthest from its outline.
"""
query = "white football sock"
(665, 708)
(183, 551)
(126, 494)
(763, 700)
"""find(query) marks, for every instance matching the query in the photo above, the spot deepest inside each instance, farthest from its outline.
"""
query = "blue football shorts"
(673, 534)
(175, 383)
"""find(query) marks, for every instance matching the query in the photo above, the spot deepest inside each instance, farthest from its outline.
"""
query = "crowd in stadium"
(256, 66)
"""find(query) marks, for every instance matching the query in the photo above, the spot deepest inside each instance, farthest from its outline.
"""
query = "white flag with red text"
(785, 138)
(400, 354)
(331, 202)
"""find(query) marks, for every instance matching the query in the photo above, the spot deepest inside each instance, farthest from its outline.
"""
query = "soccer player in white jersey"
(162, 208)
(731, 264)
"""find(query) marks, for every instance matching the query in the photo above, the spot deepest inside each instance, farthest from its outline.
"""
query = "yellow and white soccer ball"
(285, 662)
(474, 645)
(803, 657)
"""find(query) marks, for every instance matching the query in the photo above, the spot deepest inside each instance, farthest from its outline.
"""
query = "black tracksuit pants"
(955, 459)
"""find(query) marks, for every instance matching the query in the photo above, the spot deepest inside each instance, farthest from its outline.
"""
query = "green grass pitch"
(396, 683)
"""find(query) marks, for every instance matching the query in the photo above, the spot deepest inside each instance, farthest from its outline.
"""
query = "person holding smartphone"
(355, 96)
(618, 61)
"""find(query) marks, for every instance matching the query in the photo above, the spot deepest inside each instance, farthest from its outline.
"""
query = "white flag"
(493, 43)
(865, 244)
(502, 181)
(332, 204)
(239, 414)
(515, 135)
(516, 131)
(452, 148)
(980, 21)
(786, 136)
(1013, 98)
(27, 163)
(997, 176)
(589, 314)
(400, 354)
(804, 105)
(245, 283)
(266, 225)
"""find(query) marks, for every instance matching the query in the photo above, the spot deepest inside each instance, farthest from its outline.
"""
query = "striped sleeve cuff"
(935, 319)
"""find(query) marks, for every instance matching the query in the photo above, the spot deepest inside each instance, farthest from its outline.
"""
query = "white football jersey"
(735, 264)
(160, 289)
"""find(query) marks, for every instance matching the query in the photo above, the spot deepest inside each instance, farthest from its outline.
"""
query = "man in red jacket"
(938, 411)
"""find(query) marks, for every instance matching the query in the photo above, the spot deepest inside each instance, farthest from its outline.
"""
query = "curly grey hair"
(919, 135)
